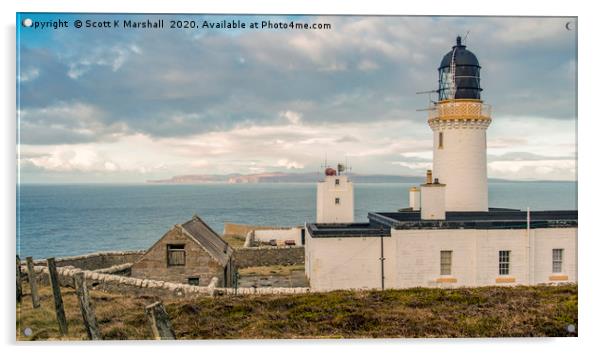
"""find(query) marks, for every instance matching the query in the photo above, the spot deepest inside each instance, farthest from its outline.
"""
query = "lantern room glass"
(466, 84)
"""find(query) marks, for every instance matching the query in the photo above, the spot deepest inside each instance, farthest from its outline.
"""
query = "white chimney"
(432, 199)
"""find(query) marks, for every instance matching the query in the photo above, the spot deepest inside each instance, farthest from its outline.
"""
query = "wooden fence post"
(159, 321)
(58, 299)
(86, 307)
(33, 283)
(19, 287)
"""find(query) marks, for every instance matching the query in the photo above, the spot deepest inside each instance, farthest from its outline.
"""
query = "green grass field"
(419, 312)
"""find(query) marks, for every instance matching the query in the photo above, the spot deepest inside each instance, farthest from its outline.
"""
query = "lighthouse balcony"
(460, 109)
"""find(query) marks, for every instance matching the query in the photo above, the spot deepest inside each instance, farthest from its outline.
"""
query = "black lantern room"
(459, 74)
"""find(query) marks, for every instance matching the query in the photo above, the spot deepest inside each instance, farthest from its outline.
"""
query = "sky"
(130, 105)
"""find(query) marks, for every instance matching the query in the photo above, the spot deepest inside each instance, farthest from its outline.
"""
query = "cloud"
(207, 99)
(271, 148)
(364, 67)
(28, 74)
(289, 164)
(292, 117)
(347, 139)
(531, 170)
(527, 156)
(83, 160)
(65, 123)
(244, 149)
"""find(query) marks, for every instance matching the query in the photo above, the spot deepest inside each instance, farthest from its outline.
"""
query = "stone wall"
(146, 287)
(97, 260)
(267, 256)
(120, 269)
(124, 285)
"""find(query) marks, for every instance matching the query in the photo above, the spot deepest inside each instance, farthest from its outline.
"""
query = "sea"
(66, 220)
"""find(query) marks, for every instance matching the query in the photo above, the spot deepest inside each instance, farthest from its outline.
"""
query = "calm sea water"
(63, 220)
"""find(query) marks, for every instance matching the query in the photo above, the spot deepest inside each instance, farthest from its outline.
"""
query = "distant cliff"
(283, 177)
(303, 177)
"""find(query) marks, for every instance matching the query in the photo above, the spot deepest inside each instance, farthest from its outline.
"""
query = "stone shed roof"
(213, 243)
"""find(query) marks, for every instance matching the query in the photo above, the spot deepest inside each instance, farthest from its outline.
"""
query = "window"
(337, 200)
(504, 262)
(440, 140)
(336, 182)
(557, 260)
(176, 255)
(194, 281)
(446, 262)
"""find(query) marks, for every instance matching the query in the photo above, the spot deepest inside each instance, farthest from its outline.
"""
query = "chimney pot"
(429, 176)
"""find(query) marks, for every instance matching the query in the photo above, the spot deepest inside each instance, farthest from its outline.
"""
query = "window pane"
(504, 262)
(557, 254)
(446, 262)
(176, 255)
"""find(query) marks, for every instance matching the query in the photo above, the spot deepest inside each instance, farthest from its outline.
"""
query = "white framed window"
(337, 200)
(446, 262)
(557, 255)
(504, 262)
(337, 182)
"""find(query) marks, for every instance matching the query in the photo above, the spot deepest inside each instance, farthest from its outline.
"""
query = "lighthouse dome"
(459, 74)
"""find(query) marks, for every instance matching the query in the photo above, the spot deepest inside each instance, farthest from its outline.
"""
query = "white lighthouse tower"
(459, 122)
(334, 199)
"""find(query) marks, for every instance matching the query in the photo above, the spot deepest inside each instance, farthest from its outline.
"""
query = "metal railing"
(459, 109)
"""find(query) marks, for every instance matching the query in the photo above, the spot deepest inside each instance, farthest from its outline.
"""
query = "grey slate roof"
(348, 230)
(494, 219)
(213, 243)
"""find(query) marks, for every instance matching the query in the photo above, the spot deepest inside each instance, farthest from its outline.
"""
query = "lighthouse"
(459, 121)
(448, 236)
(334, 199)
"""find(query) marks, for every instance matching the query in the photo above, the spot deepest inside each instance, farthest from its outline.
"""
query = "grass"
(236, 241)
(417, 312)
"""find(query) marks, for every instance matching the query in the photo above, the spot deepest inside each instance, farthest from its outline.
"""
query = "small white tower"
(414, 198)
(459, 122)
(334, 200)
(432, 199)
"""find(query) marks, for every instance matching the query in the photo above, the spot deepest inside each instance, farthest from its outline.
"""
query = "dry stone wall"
(147, 287)
(267, 256)
(97, 260)
(124, 285)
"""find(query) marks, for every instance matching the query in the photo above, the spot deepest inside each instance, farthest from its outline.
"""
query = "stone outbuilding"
(190, 253)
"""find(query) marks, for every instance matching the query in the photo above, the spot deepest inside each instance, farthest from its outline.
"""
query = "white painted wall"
(417, 254)
(545, 241)
(279, 235)
(432, 201)
(413, 258)
(461, 164)
(344, 263)
(327, 211)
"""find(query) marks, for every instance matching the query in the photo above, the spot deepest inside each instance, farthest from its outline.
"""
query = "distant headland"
(299, 177)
